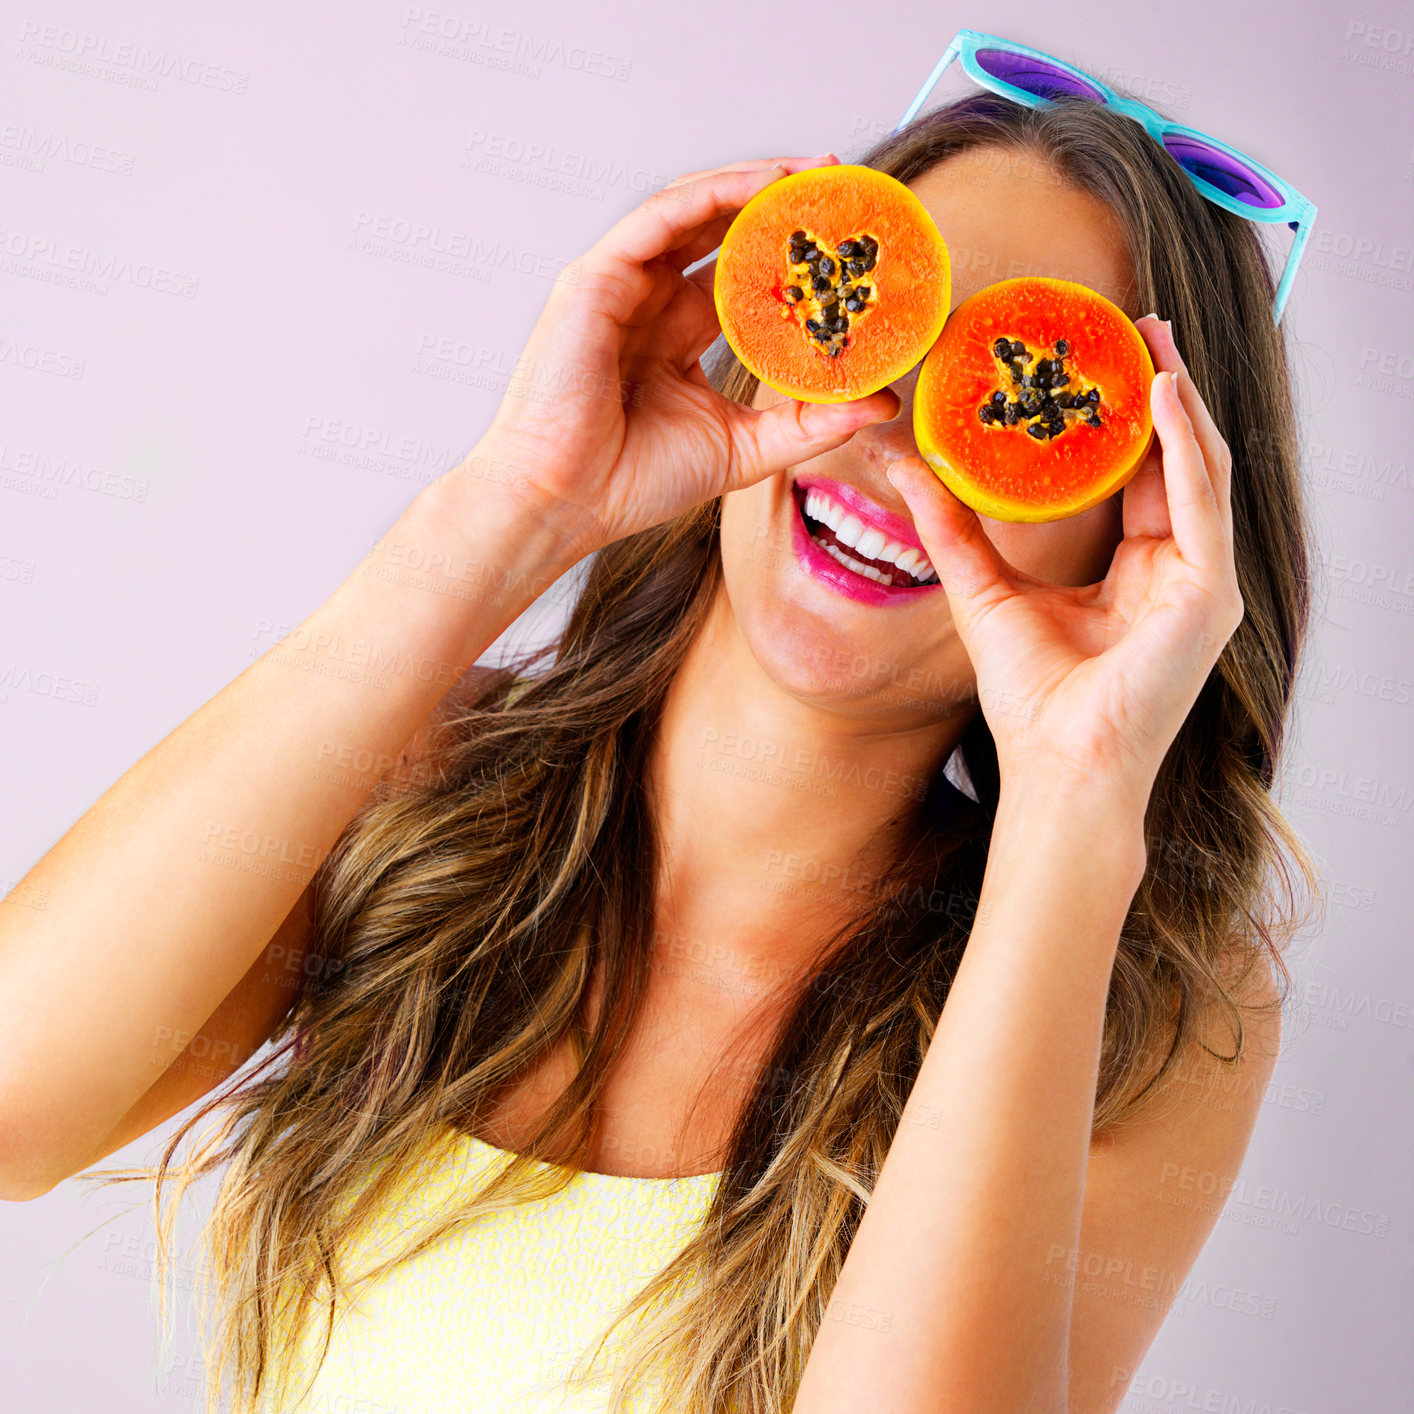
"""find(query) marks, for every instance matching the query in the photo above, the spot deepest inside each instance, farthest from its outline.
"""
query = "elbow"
(19, 1184)
(17, 1189)
(23, 1174)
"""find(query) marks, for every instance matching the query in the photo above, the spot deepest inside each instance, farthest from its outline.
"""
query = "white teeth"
(889, 581)
(871, 542)
(849, 530)
(849, 562)
(823, 510)
(868, 540)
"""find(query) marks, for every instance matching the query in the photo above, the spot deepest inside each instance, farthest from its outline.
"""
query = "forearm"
(163, 893)
(944, 1302)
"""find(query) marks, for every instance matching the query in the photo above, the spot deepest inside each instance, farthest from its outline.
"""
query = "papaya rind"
(891, 372)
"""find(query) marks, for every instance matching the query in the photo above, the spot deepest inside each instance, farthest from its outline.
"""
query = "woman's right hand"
(609, 420)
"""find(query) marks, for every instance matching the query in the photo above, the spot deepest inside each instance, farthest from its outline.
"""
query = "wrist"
(1095, 819)
(490, 508)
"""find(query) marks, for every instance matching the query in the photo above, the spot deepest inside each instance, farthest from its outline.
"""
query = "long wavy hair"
(461, 914)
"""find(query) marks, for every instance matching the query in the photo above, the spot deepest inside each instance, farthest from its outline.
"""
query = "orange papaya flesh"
(1033, 405)
(832, 283)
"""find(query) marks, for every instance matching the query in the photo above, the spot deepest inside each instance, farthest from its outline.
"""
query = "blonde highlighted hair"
(461, 914)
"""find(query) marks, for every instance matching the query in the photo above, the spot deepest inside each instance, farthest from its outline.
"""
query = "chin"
(817, 629)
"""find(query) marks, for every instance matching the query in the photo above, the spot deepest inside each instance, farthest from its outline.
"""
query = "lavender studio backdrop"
(265, 270)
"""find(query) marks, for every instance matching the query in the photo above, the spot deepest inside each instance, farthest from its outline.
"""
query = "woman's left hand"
(1093, 684)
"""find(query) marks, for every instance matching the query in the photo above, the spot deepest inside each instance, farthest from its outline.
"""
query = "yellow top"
(491, 1317)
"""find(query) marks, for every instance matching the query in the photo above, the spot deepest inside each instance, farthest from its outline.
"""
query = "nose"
(886, 442)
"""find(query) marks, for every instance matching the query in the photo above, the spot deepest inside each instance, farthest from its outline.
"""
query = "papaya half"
(832, 283)
(1034, 403)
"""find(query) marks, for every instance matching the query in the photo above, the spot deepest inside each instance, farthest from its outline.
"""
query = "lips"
(856, 547)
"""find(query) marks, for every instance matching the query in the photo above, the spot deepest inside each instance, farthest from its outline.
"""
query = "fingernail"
(1174, 376)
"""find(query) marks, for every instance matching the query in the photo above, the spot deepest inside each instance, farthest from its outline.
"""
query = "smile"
(856, 547)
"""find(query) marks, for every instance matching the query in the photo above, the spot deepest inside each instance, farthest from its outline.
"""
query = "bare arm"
(164, 898)
(163, 895)
(982, 1204)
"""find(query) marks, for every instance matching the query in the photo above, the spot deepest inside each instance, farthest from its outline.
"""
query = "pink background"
(198, 448)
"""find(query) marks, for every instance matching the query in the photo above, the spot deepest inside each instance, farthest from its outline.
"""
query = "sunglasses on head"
(1221, 173)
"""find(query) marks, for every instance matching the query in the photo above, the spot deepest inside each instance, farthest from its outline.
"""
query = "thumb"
(973, 574)
(768, 440)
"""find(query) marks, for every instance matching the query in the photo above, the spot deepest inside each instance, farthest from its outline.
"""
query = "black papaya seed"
(1062, 347)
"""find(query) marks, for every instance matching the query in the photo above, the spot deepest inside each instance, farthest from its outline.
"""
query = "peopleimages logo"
(40, 256)
(498, 46)
(39, 359)
(23, 147)
(59, 47)
(544, 164)
(64, 471)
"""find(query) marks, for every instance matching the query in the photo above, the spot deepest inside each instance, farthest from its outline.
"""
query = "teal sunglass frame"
(1186, 145)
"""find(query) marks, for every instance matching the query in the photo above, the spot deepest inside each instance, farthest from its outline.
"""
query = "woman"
(678, 916)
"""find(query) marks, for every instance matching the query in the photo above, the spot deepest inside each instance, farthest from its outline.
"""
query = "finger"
(972, 572)
(696, 244)
(674, 214)
(1194, 513)
(1144, 500)
(791, 164)
(1158, 334)
(765, 441)
(701, 242)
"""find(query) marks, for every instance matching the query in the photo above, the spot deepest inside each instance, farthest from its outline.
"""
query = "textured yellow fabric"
(490, 1318)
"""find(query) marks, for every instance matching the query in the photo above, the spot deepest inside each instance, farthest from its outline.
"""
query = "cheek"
(745, 528)
(1072, 552)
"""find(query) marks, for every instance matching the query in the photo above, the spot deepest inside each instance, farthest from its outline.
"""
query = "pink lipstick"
(873, 538)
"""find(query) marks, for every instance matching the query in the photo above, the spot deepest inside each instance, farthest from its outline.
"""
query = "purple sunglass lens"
(1226, 173)
(1036, 76)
